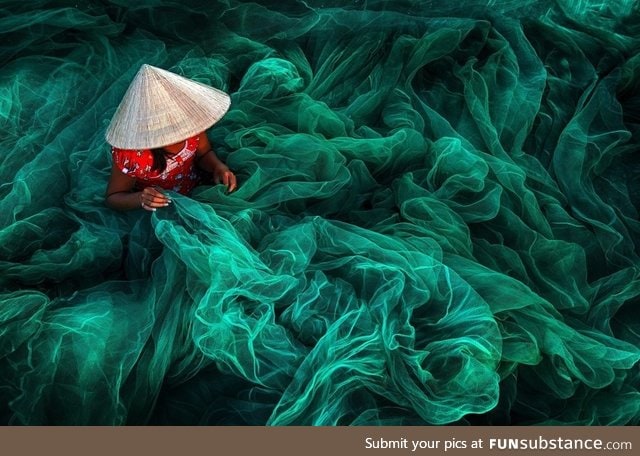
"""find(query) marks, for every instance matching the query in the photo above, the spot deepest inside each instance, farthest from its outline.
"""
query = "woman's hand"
(223, 175)
(151, 198)
(209, 161)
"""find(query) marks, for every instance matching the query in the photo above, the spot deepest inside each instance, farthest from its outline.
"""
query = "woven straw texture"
(162, 108)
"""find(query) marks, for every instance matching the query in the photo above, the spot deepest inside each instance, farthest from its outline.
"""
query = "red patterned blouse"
(180, 175)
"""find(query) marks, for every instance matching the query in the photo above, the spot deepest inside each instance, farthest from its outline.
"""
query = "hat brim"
(162, 108)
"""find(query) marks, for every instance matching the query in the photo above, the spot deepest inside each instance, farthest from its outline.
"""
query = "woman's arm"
(120, 196)
(208, 160)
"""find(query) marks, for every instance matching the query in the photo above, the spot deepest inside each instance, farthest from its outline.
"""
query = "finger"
(156, 204)
(157, 191)
(232, 182)
(148, 208)
(225, 178)
(153, 201)
(150, 193)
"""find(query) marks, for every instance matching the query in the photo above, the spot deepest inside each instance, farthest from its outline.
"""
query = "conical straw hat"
(162, 108)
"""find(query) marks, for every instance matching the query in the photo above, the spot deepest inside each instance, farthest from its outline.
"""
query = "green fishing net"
(436, 221)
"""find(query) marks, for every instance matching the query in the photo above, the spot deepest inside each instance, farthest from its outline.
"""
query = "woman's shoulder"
(132, 152)
(132, 161)
(193, 142)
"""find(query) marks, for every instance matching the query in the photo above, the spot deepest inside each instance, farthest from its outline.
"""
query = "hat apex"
(162, 108)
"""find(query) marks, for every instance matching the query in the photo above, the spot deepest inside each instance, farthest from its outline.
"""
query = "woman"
(159, 142)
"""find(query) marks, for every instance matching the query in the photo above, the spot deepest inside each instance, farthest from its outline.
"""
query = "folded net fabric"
(436, 220)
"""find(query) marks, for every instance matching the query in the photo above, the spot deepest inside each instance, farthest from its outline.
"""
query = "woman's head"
(161, 108)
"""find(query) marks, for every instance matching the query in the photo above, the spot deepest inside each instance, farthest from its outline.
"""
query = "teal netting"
(437, 218)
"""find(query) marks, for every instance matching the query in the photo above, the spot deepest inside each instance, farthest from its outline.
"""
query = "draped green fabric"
(436, 222)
